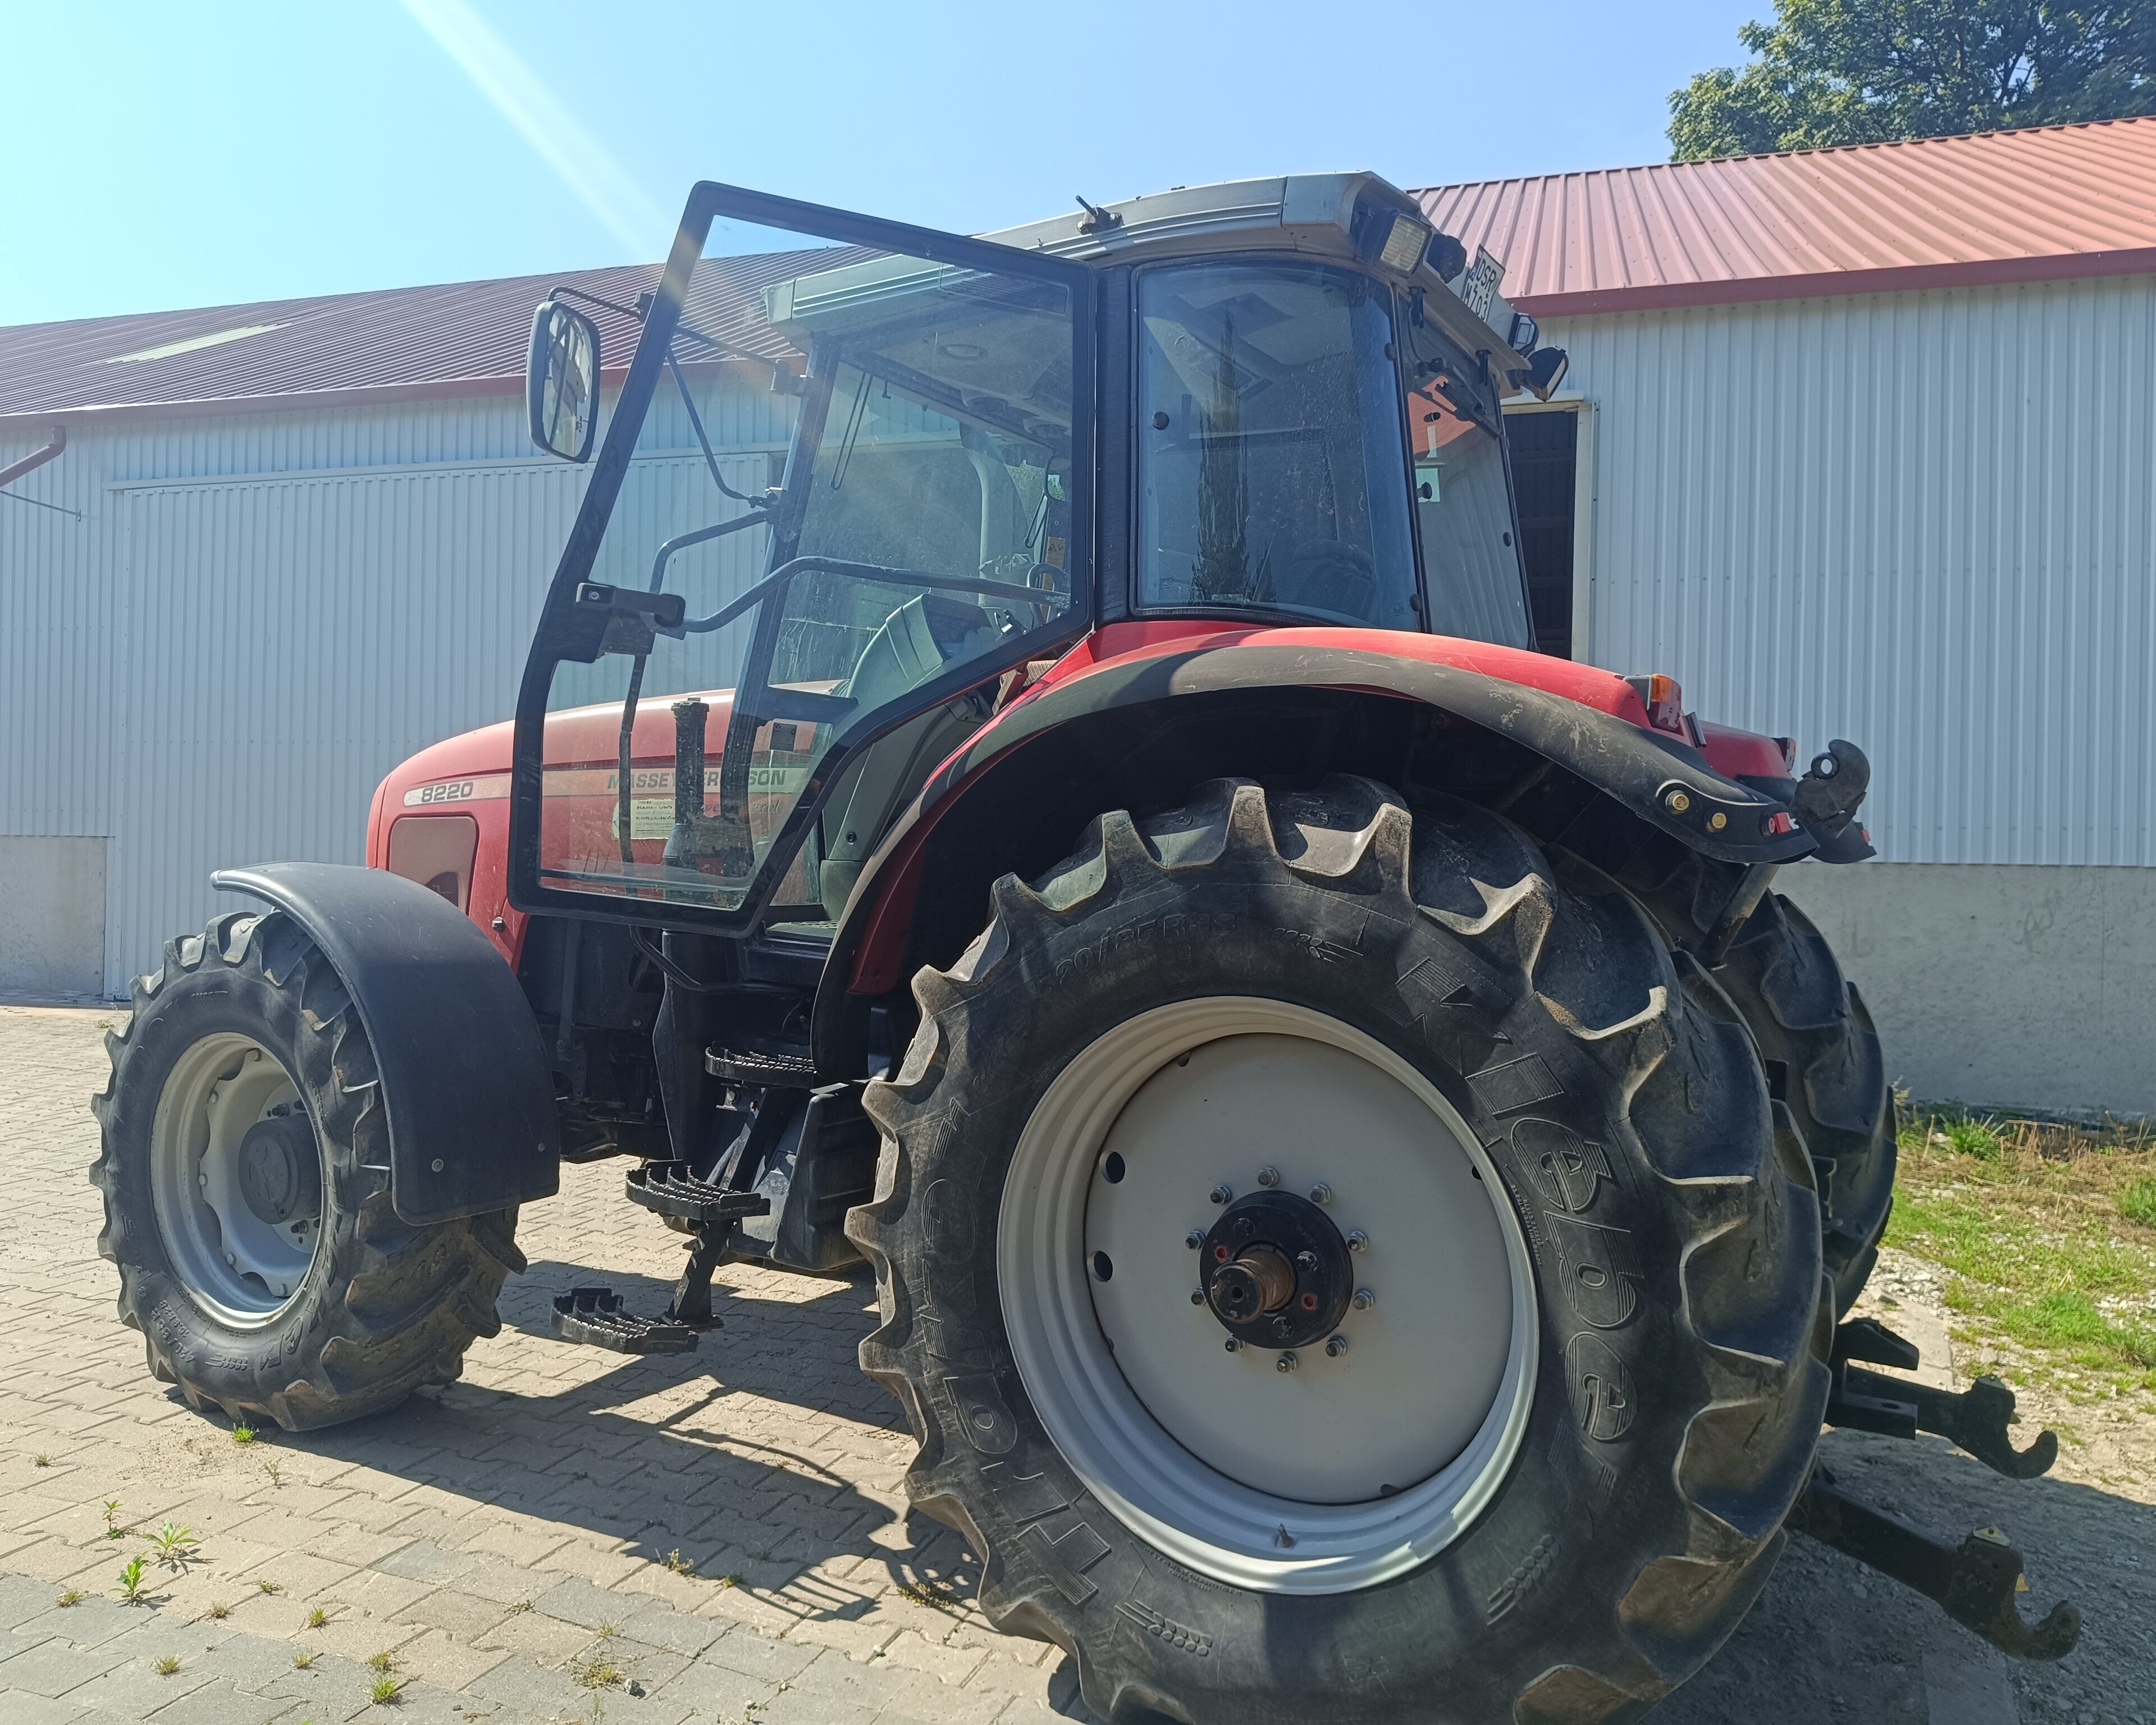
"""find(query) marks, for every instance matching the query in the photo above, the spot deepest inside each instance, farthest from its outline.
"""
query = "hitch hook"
(1974, 1419)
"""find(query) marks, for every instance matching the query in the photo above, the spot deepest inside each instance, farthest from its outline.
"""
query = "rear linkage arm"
(1976, 1582)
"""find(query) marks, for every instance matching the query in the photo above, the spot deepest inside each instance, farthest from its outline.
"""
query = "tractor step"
(594, 1317)
(669, 1188)
(1974, 1419)
(1975, 1581)
(747, 1065)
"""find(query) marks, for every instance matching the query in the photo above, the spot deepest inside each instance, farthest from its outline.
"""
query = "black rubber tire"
(1784, 978)
(385, 1306)
(1681, 1386)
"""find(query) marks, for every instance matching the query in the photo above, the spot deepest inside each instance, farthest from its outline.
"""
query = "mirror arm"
(696, 423)
(563, 291)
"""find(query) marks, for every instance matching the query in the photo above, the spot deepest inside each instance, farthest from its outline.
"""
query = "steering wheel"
(1327, 575)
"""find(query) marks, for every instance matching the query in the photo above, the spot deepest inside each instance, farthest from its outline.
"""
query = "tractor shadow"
(1832, 1641)
(702, 1462)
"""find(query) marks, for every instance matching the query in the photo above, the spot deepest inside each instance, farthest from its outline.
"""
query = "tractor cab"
(862, 483)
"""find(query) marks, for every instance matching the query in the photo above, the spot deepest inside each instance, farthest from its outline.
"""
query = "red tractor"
(1031, 773)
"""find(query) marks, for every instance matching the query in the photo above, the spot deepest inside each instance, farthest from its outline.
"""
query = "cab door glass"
(1463, 496)
(860, 487)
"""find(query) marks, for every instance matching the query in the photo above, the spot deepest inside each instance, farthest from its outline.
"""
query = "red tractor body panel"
(468, 775)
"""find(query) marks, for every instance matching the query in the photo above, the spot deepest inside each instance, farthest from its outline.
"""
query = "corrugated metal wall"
(1924, 521)
(258, 617)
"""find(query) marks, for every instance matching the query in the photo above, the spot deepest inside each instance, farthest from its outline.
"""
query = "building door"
(52, 919)
(1545, 477)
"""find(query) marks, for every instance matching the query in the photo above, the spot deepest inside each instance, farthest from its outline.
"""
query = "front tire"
(244, 1171)
(1595, 1494)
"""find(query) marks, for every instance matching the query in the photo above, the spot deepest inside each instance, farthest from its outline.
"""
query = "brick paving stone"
(52, 1667)
(450, 1662)
(134, 1689)
(217, 1703)
(709, 1689)
(522, 1683)
(547, 1472)
(24, 1708)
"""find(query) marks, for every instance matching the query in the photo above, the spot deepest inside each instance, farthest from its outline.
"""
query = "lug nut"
(1221, 1194)
(1307, 1262)
(1364, 1299)
(1357, 1241)
(1337, 1347)
(1194, 1239)
(1320, 1194)
(1269, 1175)
(1198, 1296)
(1234, 1345)
(1285, 1363)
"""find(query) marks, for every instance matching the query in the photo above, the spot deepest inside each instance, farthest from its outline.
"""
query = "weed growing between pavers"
(301, 1661)
(166, 1665)
(69, 1596)
(176, 1544)
(387, 1691)
(130, 1580)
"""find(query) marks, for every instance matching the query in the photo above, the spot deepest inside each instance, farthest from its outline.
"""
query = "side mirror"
(561, 381)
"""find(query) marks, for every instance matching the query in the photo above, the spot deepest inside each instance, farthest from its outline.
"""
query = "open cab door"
(844, 488)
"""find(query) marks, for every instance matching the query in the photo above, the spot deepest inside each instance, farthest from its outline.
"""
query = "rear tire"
(1784, 979)
(353, 1308)
(1671, 1234)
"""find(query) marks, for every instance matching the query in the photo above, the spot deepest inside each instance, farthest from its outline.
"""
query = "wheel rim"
(1270, 1480)
(240, 1220)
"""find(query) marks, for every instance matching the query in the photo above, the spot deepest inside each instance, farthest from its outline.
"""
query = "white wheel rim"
(238, 1267)
(1264, 1479)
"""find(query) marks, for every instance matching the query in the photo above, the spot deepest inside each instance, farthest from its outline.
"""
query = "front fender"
(466, 1088)
(1663, 781)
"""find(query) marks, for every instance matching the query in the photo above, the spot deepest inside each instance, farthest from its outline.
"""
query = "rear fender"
(1663, 781)
(464, 1082)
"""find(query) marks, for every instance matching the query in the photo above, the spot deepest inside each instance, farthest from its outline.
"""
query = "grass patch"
(166, 1665)
(316, 1617)
(219, 1610)
(2037, 1224)
(302, 1661)
(69, 1596)
(242, 1434)
(380, 1662)
(387, 1691)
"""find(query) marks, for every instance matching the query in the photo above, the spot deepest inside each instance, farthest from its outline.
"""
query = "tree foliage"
(1829, 72)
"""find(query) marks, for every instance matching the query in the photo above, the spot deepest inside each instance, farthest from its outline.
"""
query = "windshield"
(1463, 495)
(856, 475)
(1272, 471)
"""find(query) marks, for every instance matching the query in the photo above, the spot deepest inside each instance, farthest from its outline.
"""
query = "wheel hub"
(1277, 1271)
(281, 1174)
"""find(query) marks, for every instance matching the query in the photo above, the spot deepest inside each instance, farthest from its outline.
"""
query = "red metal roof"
(2037, 205)
(396, 344)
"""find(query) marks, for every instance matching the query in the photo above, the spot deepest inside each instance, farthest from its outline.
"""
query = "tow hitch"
(1975, 1581)
(1974, 1419)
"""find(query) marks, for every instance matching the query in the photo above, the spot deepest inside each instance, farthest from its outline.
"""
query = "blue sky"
(169, 155)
